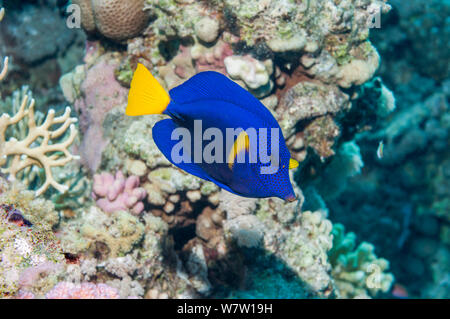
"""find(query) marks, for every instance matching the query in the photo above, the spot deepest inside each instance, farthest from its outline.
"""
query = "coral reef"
(116, 20)
(399, 202)
(276, 50)
(114, 194)
(36, 148)
(96, 94)
(357, 271)
(68, 290)
(101, 235)
(28, 247)
(151, 230)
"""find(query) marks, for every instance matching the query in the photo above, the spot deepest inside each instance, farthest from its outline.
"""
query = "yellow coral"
(38, 147)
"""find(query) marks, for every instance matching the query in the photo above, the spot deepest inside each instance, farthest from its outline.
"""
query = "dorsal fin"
(210, 85)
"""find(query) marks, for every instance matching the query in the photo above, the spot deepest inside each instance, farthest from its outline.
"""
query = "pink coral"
(117, 193)
(68, 290)
(31, 275)
(23, 294)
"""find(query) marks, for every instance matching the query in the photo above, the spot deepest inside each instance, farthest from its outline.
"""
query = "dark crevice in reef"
(182, 235)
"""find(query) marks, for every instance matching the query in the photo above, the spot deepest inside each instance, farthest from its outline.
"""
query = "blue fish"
(217, 131)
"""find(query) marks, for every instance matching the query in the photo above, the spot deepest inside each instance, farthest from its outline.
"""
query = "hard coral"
(32, 150)
(27, 245)
(100, 234)
(117, 193)
(97, 94)
(40, 146)
(358, 273)
(117, 20)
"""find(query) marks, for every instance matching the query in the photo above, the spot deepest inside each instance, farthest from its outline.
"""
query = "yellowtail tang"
(254, 163)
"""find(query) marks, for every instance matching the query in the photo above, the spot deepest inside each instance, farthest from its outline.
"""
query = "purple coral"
(117, 193)
(100, 93)
(68, 290)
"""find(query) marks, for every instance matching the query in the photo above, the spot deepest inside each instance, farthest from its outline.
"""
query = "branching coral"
(35, 148)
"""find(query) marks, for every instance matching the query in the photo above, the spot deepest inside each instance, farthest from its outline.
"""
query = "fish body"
(210, 102)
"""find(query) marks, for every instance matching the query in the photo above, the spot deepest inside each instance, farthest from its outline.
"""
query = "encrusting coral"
(28, 247)
(68, 290)
(162, 233)
(357, 271)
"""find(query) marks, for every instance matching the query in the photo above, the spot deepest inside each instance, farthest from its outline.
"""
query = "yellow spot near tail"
(293, 163)
(146, 95)
(241, 144)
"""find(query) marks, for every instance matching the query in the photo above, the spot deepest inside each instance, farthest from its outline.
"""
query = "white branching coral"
(37, 147)
(40, 146)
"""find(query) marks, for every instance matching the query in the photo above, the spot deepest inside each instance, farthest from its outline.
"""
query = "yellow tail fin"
(146, 95)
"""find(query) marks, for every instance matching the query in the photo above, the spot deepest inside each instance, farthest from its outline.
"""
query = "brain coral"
(114, 19)
(28, 247)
